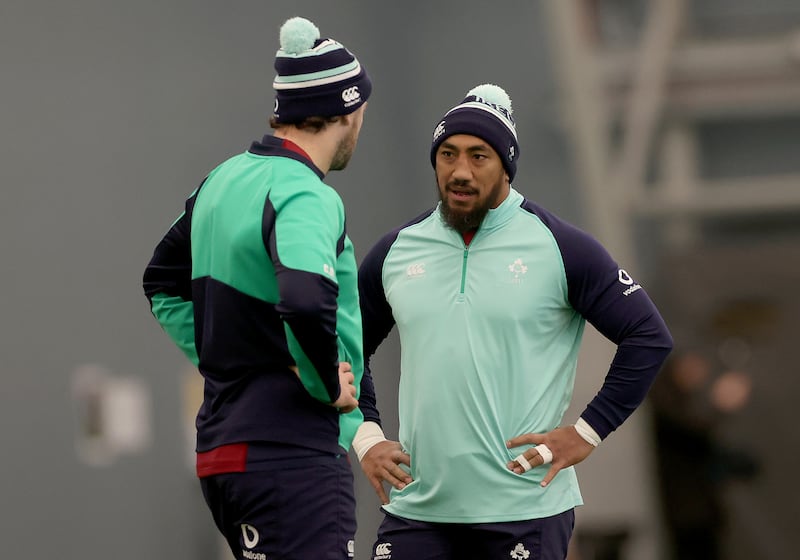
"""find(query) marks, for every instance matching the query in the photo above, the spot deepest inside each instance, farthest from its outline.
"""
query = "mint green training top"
(490, 334)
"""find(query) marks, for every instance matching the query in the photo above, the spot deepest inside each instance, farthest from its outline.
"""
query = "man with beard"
(490, 293)
(257, 283)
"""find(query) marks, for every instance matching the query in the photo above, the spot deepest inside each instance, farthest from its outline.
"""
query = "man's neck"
(316, 147)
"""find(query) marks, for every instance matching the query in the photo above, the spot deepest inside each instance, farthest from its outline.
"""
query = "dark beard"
(344, 151)
(460, 221)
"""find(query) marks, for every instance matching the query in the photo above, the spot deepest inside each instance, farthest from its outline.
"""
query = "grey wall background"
(111, 113)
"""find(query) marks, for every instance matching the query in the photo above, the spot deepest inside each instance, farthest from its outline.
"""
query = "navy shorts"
(288, 509)
(535, 539)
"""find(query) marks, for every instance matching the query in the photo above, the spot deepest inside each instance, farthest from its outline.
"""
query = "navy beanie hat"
(315, 77)
(486, 113)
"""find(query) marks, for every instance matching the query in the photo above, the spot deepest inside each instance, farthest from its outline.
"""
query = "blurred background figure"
(688, 403)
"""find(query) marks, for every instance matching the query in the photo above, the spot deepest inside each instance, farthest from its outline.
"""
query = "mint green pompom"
(493, 94)
(298, 35)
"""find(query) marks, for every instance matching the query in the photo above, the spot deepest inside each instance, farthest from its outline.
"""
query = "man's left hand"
(566, 446)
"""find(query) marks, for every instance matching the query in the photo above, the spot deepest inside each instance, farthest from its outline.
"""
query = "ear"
(346, 119)
(355, 115)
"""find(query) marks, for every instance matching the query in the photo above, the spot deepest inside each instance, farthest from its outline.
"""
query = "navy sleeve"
(377, 320)
(619, 308)
(169, 271)
(168, 284)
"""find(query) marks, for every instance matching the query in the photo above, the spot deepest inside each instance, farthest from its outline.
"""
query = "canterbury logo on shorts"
(383, 551)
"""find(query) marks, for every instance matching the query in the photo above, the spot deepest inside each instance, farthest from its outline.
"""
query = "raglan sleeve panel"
(167, 283)
(620, 309)
(307, 235)
(376, 318)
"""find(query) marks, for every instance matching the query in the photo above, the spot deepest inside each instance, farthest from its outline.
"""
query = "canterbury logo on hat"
(439, 131)
(351, 95)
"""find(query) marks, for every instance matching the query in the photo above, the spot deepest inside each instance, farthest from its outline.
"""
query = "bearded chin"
(344, 151)
(461, 221)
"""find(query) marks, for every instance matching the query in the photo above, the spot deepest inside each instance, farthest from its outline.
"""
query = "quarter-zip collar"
(272, 146)
(504, 212)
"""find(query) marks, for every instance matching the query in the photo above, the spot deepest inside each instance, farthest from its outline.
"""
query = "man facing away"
(257, 283)
(490, 293)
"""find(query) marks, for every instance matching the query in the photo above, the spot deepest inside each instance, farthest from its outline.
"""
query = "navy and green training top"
(255, 277)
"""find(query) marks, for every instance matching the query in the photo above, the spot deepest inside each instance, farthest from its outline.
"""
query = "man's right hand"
(347, 396)
(382, 463)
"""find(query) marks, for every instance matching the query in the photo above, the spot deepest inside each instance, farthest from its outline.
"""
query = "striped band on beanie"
(486, 113)
(316, 77)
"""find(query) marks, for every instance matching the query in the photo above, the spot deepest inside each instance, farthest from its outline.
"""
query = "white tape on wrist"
(368, 435)
(523, 462)
(544, 453)
(587, 432)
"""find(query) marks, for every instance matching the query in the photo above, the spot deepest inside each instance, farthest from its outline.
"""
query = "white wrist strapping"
(587, 432)
(368, 435)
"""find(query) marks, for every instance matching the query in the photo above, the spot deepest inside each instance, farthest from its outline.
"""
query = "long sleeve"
(620, 309)
(167, 284)
(307, 236)
(376, 318)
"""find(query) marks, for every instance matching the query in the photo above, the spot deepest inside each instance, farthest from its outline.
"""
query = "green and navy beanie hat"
(486, 113)
(315, 77)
